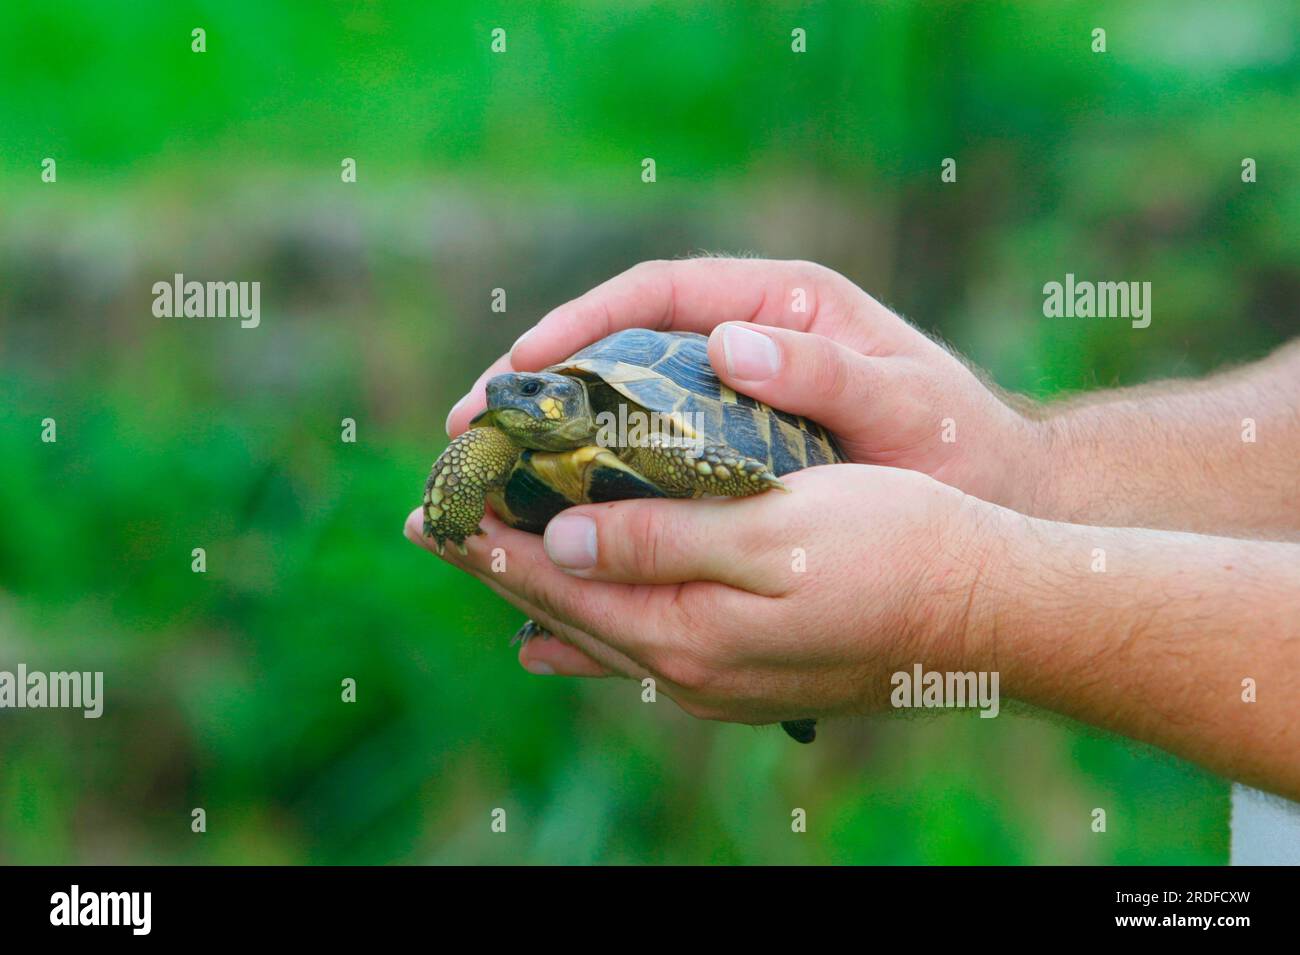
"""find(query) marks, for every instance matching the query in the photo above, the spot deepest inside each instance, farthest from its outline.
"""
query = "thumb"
(798, 372)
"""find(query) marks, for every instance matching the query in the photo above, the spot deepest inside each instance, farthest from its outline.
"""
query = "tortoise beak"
(498, 389)
(503, 394)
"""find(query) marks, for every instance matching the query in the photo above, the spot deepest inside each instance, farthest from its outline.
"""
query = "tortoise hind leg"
(694, 470)
(801, 731)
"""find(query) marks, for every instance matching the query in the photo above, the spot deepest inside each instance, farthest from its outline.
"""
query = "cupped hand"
(808, 341)
(778, 606)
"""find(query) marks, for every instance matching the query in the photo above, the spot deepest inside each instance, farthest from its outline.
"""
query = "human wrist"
(995, 539)
(1035, 467)
(1033, 582)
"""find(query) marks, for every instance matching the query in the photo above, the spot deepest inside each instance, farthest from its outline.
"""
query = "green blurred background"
(522, 171)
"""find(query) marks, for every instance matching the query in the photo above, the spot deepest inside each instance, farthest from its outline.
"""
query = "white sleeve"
(1265, 828)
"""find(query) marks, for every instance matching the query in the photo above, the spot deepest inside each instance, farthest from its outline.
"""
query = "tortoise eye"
(530, 388)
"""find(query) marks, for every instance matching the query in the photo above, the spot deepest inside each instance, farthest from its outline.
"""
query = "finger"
(675, 542)
(696, 295)
(545, 657)
(802, 373)
(603, 655)
(475, 400)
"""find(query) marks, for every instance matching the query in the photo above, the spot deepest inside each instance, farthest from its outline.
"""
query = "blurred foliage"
(522, 171)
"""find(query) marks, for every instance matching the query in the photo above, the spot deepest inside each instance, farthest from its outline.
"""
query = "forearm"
(1151, 634)
(1218, 456)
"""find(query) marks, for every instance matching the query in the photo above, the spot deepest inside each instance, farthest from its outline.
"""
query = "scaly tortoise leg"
(693, 470)
(477, 462)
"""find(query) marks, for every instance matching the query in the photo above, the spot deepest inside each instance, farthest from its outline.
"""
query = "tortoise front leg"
(477, 462)
(696, 471)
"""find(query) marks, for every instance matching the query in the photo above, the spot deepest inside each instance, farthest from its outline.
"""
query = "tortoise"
(552, 439)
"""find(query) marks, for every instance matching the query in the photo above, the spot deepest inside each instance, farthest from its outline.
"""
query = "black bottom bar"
(336, 904)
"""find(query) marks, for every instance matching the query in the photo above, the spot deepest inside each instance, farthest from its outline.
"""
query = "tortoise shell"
(663, 372)
(670, 372)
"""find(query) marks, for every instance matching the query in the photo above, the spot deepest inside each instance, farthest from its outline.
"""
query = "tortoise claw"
(525, 633)
(440, 543)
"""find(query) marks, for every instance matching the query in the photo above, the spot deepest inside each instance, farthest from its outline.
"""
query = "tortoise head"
(541, 410)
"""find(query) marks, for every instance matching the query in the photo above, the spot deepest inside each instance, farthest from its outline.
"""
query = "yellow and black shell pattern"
(667, 372)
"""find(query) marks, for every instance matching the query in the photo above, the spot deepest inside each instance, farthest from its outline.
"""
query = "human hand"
(760, 609)
(890, 394)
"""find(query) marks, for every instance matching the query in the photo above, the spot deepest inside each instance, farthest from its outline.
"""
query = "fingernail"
(539, 668)
(452, 413)
(751, 355)
(571, 542)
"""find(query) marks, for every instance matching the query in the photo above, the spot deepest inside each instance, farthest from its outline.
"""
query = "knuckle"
(831, 372)
(702, 658)
(651, 271)
(685, 669)
(650, 266)
(640, 535)
(835, 293)
(703, 613)
(690, 706)
(701, 709)
(818, 275)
